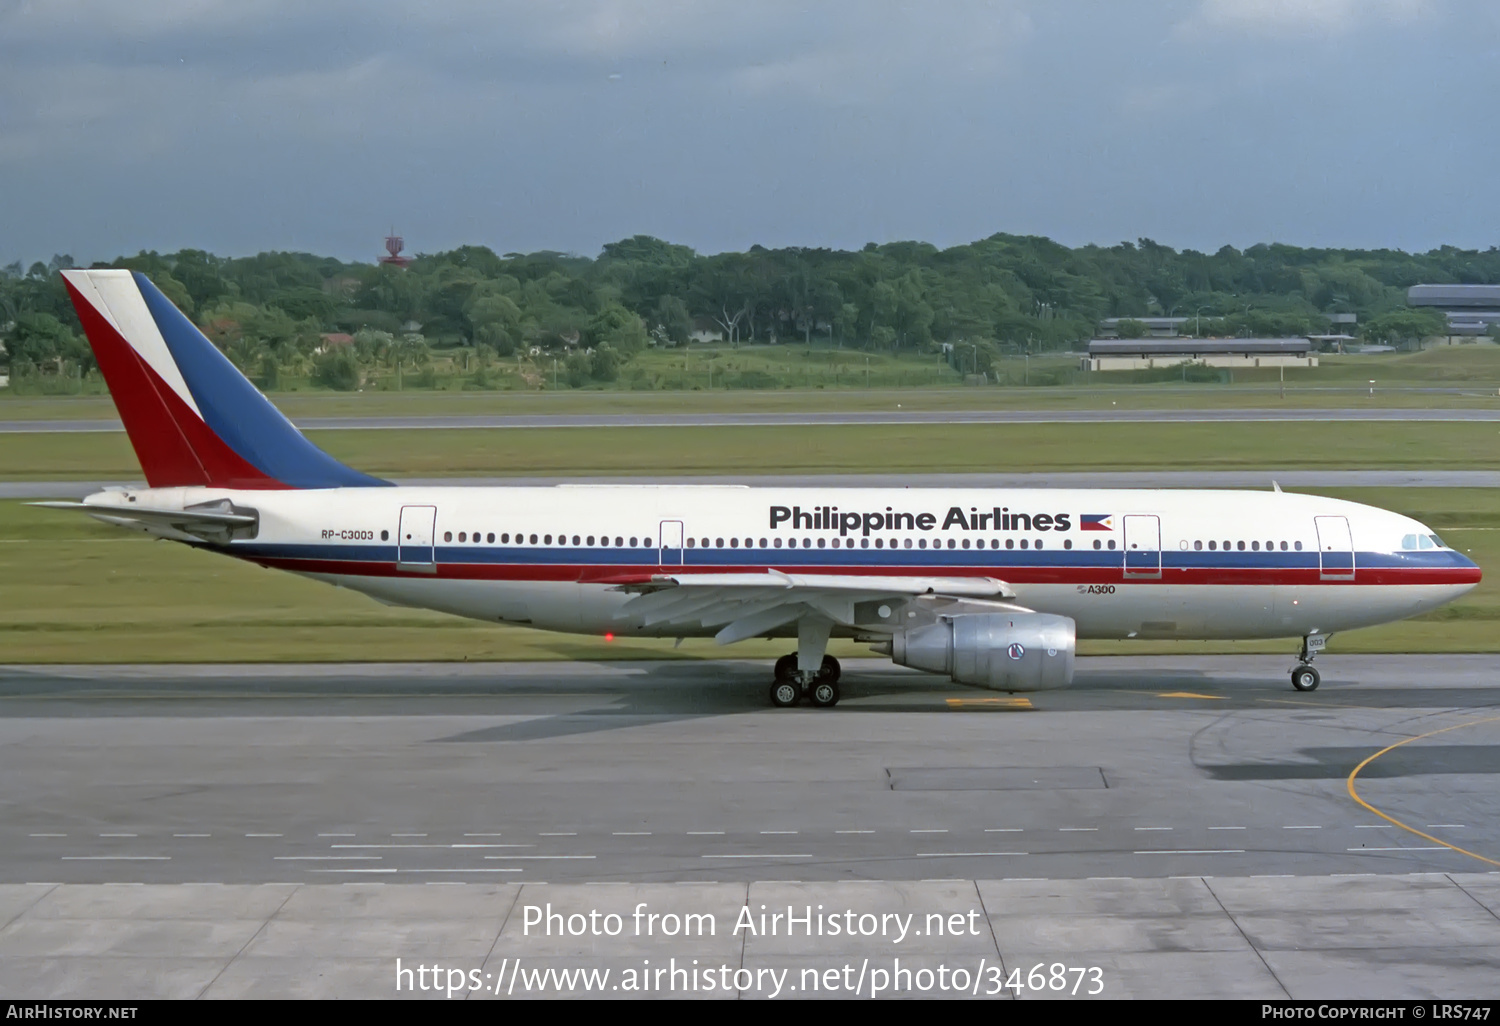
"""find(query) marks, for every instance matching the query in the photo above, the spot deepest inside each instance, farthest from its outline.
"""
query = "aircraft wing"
(750, 604)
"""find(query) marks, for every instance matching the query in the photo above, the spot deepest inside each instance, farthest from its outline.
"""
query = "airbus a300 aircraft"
(991, 587)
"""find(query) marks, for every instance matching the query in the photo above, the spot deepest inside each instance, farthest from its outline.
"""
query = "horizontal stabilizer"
(199, 522)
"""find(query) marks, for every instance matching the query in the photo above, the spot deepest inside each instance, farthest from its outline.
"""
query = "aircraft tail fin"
(192, 417)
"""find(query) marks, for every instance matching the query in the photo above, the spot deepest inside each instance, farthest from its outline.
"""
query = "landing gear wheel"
(829, 672)
(785, 694)
(823, 694)
(1305, 678)
(786, 668)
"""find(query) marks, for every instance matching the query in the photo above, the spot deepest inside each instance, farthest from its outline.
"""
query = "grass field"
(1468, 376)
(73, 591)
(930, 448)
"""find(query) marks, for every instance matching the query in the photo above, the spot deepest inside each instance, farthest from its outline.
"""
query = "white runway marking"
(1078, 830)
(705, 833)
(1005, 830)
(460, 845)
(119, 835)
(1446, 826)
(559, 833)
(755, 856)
(263, 835)
(1302, 828)
(325, 858)
(46, 835)
(192, 835)
(515, 869)
(964, 854)
(335, 835)
(778, 831)
(1195, 851)
(931, 831)
(1372, 826)
(1153, 828)
(1226, 828)
(631, 833)
(854, 831)
(1428, 847)
(512, 858)
(117, 858)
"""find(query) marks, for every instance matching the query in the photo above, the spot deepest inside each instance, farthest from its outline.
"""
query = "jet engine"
(1000, 651)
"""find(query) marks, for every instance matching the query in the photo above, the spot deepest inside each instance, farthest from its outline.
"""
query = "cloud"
(1281, 18)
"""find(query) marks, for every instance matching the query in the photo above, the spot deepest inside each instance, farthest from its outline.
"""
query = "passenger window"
(880, 543)
(1198, 546)
(590, 539)
(1255, 546)
(906, 544)
(734, 543)
(1023, 543)
(1010, 543)
(776, 542)
(951, 543)
(966, 543)
(384, 535)
(718, 543)
(821, 542)
(447, 536)
(490, 538)
(692, 543)
(921, 543)
(763, 543)
(1038, 544)
(864, 543)
(620, 542)
(1097, 544)
(1068, 543)
(632, 543)
(461, 536)
(1297, 546)
(1240, 546)
(1111, 543)
(533, 539)
(1283, 546)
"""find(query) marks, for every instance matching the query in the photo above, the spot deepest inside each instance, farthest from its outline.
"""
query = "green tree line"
(272, 313)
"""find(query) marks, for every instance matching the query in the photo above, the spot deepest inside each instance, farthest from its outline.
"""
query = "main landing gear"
(792, 685)
(1304, 677)
(809, 672)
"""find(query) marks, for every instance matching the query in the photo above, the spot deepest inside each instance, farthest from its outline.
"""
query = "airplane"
(991, 587)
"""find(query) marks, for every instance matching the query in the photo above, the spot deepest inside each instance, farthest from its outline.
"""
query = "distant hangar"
(1471, 309)
(1118, 354)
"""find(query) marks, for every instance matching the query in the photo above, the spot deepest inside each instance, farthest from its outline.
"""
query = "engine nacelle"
(1000, 651)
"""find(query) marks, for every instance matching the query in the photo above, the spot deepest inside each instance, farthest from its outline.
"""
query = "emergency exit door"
(414, 539)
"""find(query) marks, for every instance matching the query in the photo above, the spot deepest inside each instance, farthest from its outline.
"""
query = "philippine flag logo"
(1016, 650)
(1096, 522)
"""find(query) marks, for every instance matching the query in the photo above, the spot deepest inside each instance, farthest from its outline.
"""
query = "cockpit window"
(1412, 542)
(1437, 542)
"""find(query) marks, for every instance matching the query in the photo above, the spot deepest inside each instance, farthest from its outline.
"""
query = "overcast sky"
(243, 125)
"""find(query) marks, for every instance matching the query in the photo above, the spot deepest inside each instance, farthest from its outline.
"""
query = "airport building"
(1156, 327)
(1119, 354)
(1471, 309)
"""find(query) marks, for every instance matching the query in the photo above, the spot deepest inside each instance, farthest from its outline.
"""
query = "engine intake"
(1000, 651)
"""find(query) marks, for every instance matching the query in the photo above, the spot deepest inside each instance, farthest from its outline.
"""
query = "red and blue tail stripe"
(191, 416)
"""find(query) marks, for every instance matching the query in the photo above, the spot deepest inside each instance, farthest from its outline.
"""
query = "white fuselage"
(1122, 564)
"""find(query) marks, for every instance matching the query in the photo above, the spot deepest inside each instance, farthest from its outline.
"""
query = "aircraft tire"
(1305, 678)
(830, 671)
(824, 694)
(785, 694)
(786, 668)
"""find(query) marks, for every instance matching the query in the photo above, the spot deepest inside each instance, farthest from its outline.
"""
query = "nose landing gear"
(1304, 677)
